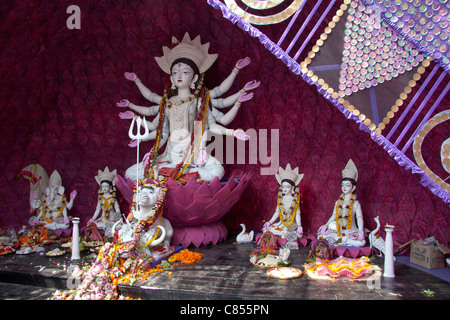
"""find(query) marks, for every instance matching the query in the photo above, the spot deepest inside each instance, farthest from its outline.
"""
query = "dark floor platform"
(224, 273)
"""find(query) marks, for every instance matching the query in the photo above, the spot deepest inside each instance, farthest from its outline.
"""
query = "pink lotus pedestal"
(303, 241)
(353, 252)
(195, 210)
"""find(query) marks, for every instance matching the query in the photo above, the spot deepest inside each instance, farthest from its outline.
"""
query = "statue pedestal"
(389, 253)
(351, 251)
(281, 242)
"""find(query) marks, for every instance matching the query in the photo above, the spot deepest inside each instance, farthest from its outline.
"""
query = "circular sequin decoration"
(264, 5)
(422, 21)
(373, 52)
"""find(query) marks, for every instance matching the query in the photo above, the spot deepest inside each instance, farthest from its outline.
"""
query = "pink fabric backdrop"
(58, 90)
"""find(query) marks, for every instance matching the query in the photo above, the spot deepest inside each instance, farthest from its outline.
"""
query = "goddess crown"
(350, 171)
(105, 175)
(187, 48)
(289, 174)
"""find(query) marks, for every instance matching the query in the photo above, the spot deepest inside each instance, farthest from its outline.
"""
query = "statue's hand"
(245, 97)
(33, 221)
(251, 85)
(300, 230)
(130, 76)
(66, 221)
(266, 226)
(133, 143)
(146, 158)
(36, 203)
(240, 134)
(360, 235)
(202, 157)
(126, 115)
(242, 63)
(123, 103)
(73, 194)
(322, 229)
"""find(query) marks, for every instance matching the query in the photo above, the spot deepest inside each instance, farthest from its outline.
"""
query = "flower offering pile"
(340, 267)
(99, 281)
(185, 256)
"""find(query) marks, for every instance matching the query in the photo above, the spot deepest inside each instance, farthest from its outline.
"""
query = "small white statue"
(284, 253)
(53, 210)
(145, 225)
(107, 211)
(287, 213)
(346, 225)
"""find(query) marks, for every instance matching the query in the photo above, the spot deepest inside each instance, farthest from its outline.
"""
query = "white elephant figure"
(53, 209)
(146, 225)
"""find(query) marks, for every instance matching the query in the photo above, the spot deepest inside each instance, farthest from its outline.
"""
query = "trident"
(138, 136)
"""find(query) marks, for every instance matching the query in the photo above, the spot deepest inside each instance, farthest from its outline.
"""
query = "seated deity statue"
(107, 211)
(345, 226)
(145, 227)
(53, 209)
(186, 112)
(286, 222)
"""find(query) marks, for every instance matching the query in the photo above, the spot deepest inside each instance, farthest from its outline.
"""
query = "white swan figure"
(375, 241)
(244, 237)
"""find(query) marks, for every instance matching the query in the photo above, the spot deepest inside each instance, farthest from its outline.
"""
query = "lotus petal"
(179, 193)
(194, 209)
(178, 236)
(341, 251)
(222, 231)
(203, 194)
(186, 242)
(125, 187)
(215, 206)
(215, 185)
(210, 235)
(196, 234)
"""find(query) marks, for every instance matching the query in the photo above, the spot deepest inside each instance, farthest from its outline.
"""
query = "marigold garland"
(201, 116)
(106, 206)
(148, 171)
(343, 214)
(282, 212)
(200, 93)
(61, 209)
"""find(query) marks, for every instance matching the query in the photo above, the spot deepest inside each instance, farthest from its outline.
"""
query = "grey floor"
(224, 273)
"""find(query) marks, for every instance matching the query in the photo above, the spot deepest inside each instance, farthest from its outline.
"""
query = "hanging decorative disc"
(427, 128)
(264, 5)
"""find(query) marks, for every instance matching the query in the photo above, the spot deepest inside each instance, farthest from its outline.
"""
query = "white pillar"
(75, 239)
(389, 253)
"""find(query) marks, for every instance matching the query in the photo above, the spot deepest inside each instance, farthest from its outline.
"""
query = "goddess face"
(182, 75)
(105, 187)
(287, 188)
(347, 187)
